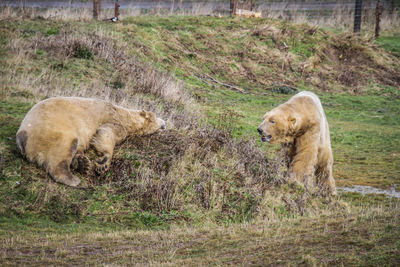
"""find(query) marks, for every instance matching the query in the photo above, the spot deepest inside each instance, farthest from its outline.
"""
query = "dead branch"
(206, 78)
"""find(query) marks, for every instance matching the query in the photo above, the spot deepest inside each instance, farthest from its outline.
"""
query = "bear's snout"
(266, 138)
(163, 124)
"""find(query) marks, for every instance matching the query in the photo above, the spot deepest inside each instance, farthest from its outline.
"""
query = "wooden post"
(252, 5)
(23, 5)
(233, 7)
(378, 18)
(357, 16)
(172, 7)
(116, 11)
(96, 8)
(392, 9)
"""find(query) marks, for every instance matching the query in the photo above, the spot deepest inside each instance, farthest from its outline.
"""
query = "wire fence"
(339, 14)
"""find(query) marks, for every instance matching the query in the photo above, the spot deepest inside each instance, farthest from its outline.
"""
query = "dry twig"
(206, 78)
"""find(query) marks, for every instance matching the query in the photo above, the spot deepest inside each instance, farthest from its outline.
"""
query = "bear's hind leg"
(104, 142)
(59, 164)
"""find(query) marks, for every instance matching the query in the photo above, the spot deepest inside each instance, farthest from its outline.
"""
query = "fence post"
(252, 5)
(96, 8)
(171, 10)
(233, 7)
(378, 18)
(23, 5)
(392, 9)
(116, 11)
(357, 16)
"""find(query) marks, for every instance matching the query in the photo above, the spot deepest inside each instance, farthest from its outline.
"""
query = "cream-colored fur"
(300, 125)
(56, 132)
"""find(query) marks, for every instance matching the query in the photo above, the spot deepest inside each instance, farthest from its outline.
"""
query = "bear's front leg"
(81, 163)
(325, 179)
(104, 141)
(302, 166)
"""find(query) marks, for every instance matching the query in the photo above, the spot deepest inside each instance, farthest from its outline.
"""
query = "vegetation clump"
(207, 185)
(190, 171)
(82, 52)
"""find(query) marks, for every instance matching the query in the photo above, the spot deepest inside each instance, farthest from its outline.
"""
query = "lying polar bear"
(56, 132)
(300, 125)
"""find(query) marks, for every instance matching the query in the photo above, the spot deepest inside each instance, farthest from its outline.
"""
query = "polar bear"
(56, 132)
(300, 125)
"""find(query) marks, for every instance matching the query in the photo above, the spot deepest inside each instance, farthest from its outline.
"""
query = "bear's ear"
(292, 122)
(144, 114)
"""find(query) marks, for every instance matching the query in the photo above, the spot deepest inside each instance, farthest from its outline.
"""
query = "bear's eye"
(272, 121)
(152, 118)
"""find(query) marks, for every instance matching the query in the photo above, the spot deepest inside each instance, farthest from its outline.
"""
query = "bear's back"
(64, 112)
(60, 118)
(324, 128)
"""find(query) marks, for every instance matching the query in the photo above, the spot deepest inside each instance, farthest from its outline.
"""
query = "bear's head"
(151, 123)
(278, 126)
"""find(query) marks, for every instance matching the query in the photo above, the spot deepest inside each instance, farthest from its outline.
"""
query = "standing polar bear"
(300, 125)
(56, 132)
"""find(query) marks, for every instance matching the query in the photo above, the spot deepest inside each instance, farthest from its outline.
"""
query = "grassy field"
(359, 240)
(208, 191)
(248, 54)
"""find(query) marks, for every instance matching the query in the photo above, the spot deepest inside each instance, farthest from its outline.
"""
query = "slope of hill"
(209, 171)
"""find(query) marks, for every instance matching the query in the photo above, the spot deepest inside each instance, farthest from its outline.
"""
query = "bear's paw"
(81, 164)
(102, 165)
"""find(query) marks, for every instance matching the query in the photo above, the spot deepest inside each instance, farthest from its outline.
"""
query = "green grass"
(359, 239)
(364, 127)
(365, 130)
(390, 43)
(23, 194)
(44, 222)
(197, 45)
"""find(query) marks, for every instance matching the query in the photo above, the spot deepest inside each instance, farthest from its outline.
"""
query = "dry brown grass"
(346, 57)
(80, 14)
(84, 14)
(192, 163)
(339, 59)
(334, 239)
(141, 77)
(202, 166)
(191, 167)
(190, 175)
(128, 85)
(341, 17)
